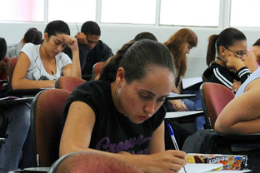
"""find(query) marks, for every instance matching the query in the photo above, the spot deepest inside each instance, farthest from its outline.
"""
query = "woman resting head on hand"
(121, 114)
(38, 66)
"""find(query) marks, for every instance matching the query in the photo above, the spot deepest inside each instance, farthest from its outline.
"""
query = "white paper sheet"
(200, 167)
(187, 82)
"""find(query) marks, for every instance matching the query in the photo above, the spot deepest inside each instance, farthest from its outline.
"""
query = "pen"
(54, 75)
(174, 140)
(77, 27)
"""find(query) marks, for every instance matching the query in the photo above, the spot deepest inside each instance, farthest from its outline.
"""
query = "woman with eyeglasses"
(228, 68)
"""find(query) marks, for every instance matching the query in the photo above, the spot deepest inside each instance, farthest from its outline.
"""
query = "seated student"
(122, 115)
(180, 44)
(38, 66)
(32, 35)
(241, 115)
(256, 49)
(229, 69)
(3, 60)
(91, 49)
(145, 35)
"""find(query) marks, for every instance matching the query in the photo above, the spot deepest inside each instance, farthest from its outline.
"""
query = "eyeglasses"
(91, 42)
(239, 54)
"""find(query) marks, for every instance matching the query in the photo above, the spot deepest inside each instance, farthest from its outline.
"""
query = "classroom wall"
(116, 35)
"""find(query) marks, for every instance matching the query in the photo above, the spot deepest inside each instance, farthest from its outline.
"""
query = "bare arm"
(77, 133)
(18, 81)
(178, 105)
(157, 142)
(73, 69)
(241, 115)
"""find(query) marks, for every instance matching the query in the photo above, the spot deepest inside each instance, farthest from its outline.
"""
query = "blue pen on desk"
(174, 140)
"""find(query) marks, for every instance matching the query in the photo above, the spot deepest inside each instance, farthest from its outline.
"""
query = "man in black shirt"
(91, 49)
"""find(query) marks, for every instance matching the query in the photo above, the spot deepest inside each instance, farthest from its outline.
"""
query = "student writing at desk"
(124, 118)
(38, 66)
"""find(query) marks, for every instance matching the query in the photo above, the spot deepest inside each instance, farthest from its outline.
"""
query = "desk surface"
(12, 100)
(22, 92)
(180, 96)
(183, 114)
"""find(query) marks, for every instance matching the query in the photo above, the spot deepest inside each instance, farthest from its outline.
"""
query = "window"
(72, 11)
(22, 10)
(244, 13)
(128, 11)
(190, 12)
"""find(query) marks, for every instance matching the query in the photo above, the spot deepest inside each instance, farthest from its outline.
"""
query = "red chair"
(97, 69)
(214, 98)
(82, 162)
(46, 113)
(68, 83)
(11, 63)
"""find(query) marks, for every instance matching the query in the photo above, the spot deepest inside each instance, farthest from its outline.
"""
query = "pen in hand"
(174, 140)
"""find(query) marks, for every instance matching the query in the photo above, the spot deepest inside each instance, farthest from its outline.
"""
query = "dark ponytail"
(211, 52)
(110, 68)
(136, 58)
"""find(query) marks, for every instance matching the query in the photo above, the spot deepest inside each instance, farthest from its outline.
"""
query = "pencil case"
(230, 162)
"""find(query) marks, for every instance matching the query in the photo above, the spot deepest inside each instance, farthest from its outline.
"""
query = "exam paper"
(188, 82)
(200, 167)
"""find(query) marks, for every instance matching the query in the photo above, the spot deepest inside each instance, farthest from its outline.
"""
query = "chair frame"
(209, 124)
(10, 71)
(226, 139)
(36, 157)
(99, 65)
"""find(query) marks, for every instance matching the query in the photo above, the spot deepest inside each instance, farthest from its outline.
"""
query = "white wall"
(116, 35)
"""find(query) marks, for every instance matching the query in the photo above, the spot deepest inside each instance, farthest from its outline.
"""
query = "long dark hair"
(226, 38)
(135, 57)
(57, 27)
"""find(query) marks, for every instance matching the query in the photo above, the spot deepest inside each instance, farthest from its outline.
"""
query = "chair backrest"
(91, 162)
(214, 98)
(68, 83)
(11, 63)
(46, 112)
(97, 69)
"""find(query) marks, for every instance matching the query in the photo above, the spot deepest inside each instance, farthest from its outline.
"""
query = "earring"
(118, 89)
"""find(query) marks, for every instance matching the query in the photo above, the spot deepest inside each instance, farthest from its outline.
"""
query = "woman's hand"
(234, 62)
(170, 161)
(236, 85)
(71, 42)
(179, 105)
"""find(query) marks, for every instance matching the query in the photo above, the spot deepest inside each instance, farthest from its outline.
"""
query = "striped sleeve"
(222, 78)
(243, 74)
